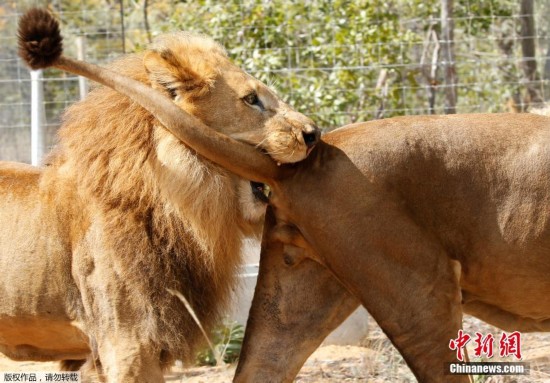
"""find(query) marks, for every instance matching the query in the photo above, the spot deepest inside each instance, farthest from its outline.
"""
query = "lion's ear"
(173, 75)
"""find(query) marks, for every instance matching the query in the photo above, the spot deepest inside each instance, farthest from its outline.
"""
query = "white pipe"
(249, 270)
(80, 54)
(37, 118)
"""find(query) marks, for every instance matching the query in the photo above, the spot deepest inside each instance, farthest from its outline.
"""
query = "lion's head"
(197, 74)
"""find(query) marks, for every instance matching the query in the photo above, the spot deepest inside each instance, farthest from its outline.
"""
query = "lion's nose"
(311, 135)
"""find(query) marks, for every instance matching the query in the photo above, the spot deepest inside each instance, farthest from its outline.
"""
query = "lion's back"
(18, 178)
(18, 195)
(19, 210)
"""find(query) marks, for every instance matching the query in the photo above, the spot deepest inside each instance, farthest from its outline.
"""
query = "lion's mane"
(166, 228)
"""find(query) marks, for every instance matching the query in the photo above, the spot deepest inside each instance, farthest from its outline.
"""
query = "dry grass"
(377, 361)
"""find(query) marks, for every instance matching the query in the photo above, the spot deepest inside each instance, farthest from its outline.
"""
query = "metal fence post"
(38, 137)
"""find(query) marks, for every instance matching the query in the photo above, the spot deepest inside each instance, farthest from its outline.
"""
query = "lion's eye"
(252, 99)
(172, 91)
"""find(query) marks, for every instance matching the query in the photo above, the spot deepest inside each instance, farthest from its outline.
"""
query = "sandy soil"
(375, 361)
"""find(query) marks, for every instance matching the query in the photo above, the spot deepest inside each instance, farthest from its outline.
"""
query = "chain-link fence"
(337, 61)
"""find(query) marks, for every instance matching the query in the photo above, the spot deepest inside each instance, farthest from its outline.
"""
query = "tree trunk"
(448, 55)
(146, 20)
(529, 55)
(122, 27)
(506, 40)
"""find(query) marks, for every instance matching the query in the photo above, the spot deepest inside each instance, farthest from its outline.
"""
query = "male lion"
(123, 211)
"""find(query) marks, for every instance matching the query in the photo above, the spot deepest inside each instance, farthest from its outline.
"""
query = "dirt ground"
(374, 361)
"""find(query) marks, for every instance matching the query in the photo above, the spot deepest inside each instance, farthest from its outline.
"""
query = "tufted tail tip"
(39, 39)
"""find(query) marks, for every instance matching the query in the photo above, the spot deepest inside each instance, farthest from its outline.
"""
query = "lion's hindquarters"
(35, 273)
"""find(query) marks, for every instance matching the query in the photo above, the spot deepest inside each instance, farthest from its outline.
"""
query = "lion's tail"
(39, 39)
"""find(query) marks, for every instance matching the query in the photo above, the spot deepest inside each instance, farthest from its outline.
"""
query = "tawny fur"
(124, 211)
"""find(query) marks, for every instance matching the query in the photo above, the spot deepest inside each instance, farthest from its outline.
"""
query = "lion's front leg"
(116, 321)
(125, 359)
(123, 352)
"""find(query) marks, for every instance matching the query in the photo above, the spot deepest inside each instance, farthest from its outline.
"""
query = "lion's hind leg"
(71, 364)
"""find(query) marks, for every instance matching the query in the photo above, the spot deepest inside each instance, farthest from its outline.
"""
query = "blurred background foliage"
(337, 61)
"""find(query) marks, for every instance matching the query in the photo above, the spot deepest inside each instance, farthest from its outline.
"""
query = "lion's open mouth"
(261, 191)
